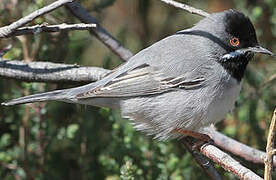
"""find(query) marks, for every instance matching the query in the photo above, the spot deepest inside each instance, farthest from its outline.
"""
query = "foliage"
(65, 141)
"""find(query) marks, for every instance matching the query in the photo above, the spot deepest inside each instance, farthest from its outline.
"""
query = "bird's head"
(233, 32)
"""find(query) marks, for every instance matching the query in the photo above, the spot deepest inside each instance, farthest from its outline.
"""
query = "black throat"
(235, 64)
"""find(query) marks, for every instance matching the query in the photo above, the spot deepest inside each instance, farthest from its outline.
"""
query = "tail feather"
(53, 95)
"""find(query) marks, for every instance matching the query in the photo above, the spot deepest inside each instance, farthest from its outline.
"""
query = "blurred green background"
(56, 140)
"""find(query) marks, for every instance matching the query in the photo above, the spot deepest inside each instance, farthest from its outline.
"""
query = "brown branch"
(50, 28)
(239, 149)
(185, 7)
(270, 148)
(99, 32)
(228, 163)
(7, 30)
(50, 72)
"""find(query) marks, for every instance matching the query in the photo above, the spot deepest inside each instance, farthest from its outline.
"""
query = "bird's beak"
(258, 49)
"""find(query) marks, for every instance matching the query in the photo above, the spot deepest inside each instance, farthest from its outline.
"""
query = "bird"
(180, 84)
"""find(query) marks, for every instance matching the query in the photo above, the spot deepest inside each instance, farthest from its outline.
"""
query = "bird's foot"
(201, 144)
(202, 139)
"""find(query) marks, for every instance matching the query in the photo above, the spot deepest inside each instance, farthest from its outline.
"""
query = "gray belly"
(190, 110)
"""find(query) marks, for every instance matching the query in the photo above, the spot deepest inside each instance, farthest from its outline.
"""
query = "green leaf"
(5, 140)
(71, 130)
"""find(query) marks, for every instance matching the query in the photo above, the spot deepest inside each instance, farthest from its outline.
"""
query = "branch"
(99, 32)
(7, 30)
(50, 72)
(236, 148)
(185, 7)
(228, 163)
(270, 148)
(50, 28)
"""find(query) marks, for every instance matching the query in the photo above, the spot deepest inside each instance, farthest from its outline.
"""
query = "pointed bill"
(257, 49)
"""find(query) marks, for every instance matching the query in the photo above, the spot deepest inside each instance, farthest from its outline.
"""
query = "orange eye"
(234, 41)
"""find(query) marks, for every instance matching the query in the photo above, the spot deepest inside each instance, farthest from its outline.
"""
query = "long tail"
(53, 95)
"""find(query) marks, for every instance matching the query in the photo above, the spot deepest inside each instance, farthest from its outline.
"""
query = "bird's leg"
(196, 135)
(203, 138)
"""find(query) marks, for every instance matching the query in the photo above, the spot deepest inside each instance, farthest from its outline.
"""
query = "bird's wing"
(140, 81)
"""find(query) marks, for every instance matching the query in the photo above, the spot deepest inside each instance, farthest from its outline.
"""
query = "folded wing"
(140, 81)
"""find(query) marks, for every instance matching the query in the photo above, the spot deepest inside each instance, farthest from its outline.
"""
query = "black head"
(237, 40)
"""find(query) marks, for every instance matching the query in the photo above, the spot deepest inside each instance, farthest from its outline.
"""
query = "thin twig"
(185, 7)
(7, 30)
(50, 28)
(228, 163)
(239, 149)
(99, 32)
(50, 72)
(270, 148)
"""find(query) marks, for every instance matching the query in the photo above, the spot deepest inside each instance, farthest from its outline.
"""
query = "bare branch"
(185, 7)
(236, 148)
(270, 148)
(228, 163)
(7, 30)
(50, 28)
(99, 32)
(50, 72)
(219, 157)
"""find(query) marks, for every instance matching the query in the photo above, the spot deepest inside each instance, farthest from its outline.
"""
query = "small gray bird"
(178, 85)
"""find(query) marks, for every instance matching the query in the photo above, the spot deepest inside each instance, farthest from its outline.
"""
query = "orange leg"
(196, 135)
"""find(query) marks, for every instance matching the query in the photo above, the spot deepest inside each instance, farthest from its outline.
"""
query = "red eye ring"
(234, 41)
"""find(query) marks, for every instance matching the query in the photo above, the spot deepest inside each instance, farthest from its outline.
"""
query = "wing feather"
(140, 81)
